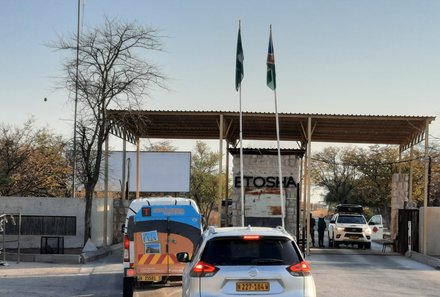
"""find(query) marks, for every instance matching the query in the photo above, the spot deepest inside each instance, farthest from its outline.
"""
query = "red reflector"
(126, 242)
(251, 237)
(302, 268)
(130, 272)
(146, 211)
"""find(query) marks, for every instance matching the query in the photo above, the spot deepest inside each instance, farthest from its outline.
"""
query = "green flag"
(239, 71)
(271, 78)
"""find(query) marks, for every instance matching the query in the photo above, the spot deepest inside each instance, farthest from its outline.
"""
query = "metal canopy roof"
(368, 129)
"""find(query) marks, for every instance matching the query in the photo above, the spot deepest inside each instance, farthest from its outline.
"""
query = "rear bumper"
(131, 273)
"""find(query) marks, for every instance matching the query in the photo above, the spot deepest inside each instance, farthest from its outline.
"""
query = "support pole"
(138, 167)
(411, 172)
(309, 155)
(124, 160)
(105, 191)
(425, 200)
(227, 188)
(220, 169)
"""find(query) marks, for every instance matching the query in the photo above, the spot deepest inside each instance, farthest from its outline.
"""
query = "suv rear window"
(231, 251)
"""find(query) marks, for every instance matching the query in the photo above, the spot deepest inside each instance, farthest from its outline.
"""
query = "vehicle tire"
(127, 288)
(360, 245)
(335, 243)
(367, 245)
(330, 242)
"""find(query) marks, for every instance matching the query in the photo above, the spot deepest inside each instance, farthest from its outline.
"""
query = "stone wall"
(264, 166)
(399, 195)
(120, 208)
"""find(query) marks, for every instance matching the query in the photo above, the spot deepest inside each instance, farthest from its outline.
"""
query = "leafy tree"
(359, 175)
(32, 162)
(377, 164)
(331, 169)
(205, 178)
(419, 174)
(112, 72)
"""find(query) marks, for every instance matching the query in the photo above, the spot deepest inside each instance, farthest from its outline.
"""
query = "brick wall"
(262, 166)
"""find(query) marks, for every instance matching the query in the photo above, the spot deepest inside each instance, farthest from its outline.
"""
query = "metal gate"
(405, 216)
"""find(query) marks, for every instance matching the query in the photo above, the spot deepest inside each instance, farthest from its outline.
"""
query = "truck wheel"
(360, 245)
(127, 288)
(330, 242)
(368, 245)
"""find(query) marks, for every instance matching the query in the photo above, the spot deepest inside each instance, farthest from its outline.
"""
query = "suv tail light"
(202, 269)
(299, 269)
(126, 248)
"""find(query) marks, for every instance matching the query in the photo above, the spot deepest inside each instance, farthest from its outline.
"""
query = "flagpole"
(271, 83)
(239, 74)
(241, 148)
(241, 162)
(280, 174)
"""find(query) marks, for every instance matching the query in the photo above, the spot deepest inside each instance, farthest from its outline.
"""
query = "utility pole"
(76, 103)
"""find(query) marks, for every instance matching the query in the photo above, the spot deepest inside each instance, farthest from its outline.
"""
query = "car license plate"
(149, 278)
(354, 237)
(252, 286)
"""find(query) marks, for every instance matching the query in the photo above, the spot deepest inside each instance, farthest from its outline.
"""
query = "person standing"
(312, 229)
(321, 229)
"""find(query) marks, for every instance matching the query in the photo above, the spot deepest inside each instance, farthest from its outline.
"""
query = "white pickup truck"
(349, 226)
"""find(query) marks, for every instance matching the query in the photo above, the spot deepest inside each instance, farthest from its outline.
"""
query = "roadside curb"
(82, 258)
(425, 259)
(101, 252)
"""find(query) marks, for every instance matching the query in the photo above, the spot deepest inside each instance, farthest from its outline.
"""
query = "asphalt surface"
(101, 274)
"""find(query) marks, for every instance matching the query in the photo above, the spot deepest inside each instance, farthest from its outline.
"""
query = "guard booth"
(405, 217)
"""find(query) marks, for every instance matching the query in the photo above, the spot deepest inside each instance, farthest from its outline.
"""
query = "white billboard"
(159, 171)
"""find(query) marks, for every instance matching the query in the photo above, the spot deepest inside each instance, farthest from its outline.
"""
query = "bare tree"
(113, 73)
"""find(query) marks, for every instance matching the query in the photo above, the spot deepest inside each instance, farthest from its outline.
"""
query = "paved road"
(100, 278)
(348, 273)
(344, 272)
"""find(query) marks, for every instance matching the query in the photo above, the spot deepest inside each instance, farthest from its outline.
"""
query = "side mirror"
(332, 221)
(183, 257)
(371, 223)
(122, 228)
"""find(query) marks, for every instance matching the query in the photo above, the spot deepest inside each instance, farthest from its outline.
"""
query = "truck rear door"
(158, 237)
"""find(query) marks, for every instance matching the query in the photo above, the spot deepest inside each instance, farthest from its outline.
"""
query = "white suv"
(237, 261)
(349, 227)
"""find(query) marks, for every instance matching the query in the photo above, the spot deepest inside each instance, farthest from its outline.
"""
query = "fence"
(4, 222)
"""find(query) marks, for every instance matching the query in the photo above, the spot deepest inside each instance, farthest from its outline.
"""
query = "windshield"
(351, 220)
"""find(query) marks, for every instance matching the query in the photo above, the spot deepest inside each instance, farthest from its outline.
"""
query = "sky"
(365, 57)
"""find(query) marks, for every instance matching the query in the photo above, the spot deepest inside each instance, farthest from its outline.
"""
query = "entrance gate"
(405, 216)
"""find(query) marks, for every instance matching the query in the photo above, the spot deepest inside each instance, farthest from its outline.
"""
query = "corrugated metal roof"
(343, 128)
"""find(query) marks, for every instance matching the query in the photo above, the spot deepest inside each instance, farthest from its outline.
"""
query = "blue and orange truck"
(155, 230)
